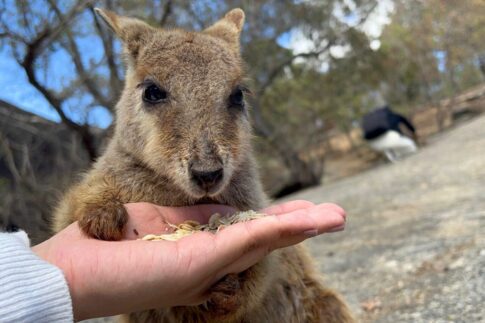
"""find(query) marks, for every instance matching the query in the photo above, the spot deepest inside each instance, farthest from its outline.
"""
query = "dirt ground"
(414, 247)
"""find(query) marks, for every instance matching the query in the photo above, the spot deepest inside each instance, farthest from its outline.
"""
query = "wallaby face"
(183, 109)
(182, 137)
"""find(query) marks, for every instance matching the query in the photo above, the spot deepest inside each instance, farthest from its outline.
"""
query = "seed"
(216, 223)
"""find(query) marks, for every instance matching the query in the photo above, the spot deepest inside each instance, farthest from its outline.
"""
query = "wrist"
(27, 272)
(44, 251)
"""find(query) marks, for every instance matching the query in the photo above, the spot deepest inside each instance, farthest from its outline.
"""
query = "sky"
(14, 86)
(373, 28)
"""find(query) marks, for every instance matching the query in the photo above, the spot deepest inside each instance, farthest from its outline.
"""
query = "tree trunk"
(481, 64)
(303, 173)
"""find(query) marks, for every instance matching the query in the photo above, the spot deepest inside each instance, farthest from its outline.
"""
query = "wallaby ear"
(133, 32)
(228, 28)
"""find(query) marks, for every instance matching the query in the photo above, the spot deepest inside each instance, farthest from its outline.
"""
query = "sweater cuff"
(31, 289)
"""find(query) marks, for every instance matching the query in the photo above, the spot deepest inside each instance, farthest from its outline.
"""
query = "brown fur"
(155, 146)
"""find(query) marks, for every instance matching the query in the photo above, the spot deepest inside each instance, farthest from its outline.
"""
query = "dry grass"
(216, 223)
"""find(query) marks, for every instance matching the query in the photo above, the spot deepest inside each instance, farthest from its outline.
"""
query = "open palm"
(113, 277)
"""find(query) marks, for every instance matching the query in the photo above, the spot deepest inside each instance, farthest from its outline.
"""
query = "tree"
(432, 50)
(36, 33)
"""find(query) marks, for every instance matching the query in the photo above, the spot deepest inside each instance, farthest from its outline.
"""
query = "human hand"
(108, 278)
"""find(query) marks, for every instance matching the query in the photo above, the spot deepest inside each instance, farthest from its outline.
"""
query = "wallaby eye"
(153, 94)
(236, 99)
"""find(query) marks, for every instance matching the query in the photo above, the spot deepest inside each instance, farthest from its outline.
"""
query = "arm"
(133, 275)
(31, 289)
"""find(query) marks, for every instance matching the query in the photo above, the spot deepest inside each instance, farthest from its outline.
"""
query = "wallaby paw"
(104, 222)
(225, 296)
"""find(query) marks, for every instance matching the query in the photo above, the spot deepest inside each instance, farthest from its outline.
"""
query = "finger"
(143, 219)
(273, 232)
(336, 208)
(200, 213)
(134, 231)
(147, 218)
(300, 204)
(291, 206)
(287, 207)
(253, 256)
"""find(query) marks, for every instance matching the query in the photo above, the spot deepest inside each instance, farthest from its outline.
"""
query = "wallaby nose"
(207, 179)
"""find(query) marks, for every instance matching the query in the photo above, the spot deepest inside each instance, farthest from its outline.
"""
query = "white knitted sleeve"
(31, 289)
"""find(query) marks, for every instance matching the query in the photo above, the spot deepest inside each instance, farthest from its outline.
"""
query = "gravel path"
(414, 247)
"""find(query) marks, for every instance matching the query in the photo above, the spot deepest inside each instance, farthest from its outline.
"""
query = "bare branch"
(85, 78)
(8, 155)
(261, 126)
(108, 40)
(167, 10)
(27, 171)
(33, 50)
(200, 23)
(21, 121)
(278, 69)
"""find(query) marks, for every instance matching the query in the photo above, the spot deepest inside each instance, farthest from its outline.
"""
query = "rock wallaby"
(182, 137)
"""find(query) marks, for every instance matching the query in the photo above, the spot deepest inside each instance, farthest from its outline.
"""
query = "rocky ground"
(414, 247)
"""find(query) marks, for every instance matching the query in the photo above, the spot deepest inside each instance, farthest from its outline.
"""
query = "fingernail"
(311, 233)
(337, 229)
